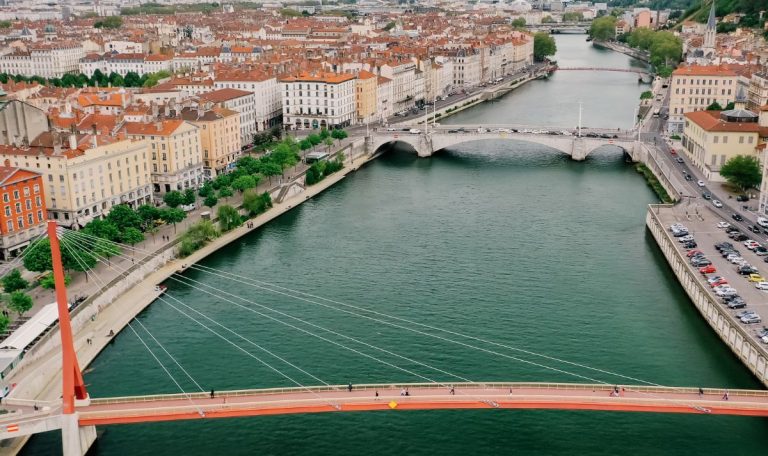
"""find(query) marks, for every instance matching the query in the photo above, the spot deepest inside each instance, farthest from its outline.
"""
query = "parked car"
(740, 237)
(737, 303)
(749, 319)
(691, 253)
(690, 245)
(685, 238)
(717, 203)
(414, 131)
(756, 278)
(723, 245)
(746, 270)
(761, 285)
(723, 225)
(742, 198)
(707, 269)
(755, 229)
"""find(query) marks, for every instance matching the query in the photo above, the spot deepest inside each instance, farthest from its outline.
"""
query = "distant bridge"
(566, 140)
(619, 70)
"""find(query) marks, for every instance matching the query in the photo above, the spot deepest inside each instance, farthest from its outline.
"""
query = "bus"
(315, 156)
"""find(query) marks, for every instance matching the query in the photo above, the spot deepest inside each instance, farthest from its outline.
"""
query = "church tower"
(709, 34)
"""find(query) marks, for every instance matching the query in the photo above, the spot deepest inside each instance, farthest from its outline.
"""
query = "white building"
(49, 60)
(318, 100)
(268, 104)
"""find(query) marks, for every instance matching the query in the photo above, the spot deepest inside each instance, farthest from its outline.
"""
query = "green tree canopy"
(189, 196)
(338, 134)
(122, 216)
(131, 236)
(256, 203)
(173, 199)
(225, 192)
(243, 183)
(543, 45)
(20, 302)
(111, 22)
(715, 106)
(148, 215)
(229, 217)
(13, 281)
(742, 171)
(518, 22)
(4, 323)
(173, 216)
(38, 257)
(573, 16)
(102, 228)
(647, 95)
(603, 28)
(210, 201)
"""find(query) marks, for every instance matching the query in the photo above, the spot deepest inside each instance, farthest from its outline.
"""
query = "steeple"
(741, 99)
(709, 34)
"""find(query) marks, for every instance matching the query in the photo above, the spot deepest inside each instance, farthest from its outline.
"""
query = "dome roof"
(739, 115)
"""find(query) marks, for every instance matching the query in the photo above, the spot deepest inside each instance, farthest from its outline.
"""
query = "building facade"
(23, 215)
(317, 100)
(219, 137)
(695, 87)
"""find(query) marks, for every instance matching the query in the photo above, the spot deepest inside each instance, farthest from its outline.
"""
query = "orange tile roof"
(703, 70)
(162, 128)
(331, 78)
(711, 121)
(217, 96)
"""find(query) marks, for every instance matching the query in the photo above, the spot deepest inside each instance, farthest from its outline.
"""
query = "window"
(15, 194)
(10, 225)
(30, 219)
(39, 216)
(5, 197)
(741, 140)
(20, 223)
(26, 191)
(18, 208)
(37, 188)
(716, 139)
(29, 204)
(7, 210)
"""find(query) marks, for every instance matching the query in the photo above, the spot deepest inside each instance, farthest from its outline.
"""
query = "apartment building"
(240, 101)
(408, 83)
(711, 138)
(365, 96)
(123, 64)
(317, 100)
(175, 154)
(23, 215)
(267, 102)
(48, 60)
(758, 91)
(466, 67)
(85, 175)
(219, 137)
(695, 87)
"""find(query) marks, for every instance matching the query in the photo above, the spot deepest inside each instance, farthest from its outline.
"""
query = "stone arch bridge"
(564, 140)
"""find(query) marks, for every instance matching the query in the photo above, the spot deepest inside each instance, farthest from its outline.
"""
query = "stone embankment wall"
(746, 347)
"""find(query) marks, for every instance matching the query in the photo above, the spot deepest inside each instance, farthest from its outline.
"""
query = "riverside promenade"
(40, 377)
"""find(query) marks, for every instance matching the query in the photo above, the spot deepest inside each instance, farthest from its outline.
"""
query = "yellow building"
(365, 96)
(711, 138)
(219, 137)
(176, 155)
(85, 175)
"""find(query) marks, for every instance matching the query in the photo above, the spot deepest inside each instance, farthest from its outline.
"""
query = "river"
(507, 241)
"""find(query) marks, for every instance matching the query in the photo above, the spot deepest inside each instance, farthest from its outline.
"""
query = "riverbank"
(626, 50)
(40, 377)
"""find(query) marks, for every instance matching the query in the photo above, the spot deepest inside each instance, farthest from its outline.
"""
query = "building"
(695, 87)
(267, 102)
(366, 88)
(240, 101)
(20, 122)
(219, 137)
(48, 60)
(175, 154)
(758, 91)
(711, 138)
(85, 175)
(23, 216)
(318, 100)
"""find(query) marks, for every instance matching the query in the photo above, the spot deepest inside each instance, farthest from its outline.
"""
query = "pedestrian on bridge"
(349, 387)
(213, 393)
(701, 392)
(725, 395)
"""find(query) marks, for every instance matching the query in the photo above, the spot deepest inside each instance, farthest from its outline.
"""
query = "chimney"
(200, 110)
(159, 126)
(94, 142)
(167, 110)
(72, 141)
(93, 129)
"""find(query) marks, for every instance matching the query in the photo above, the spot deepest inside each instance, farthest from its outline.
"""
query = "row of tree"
(131, 79)
(320, 169)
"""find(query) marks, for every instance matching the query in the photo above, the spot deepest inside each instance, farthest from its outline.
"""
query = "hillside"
(700, 11)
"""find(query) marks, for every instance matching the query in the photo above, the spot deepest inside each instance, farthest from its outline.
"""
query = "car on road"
(688, 177)
(756, 278)
(680, 160)
(762, 221)
(726, 292)
(700, 183)
(706, 195)
(750, 244)
(737, 217)
(708, 269)
(761, 285)
(754, 228)
(672, 151)
(722, 225)
(414, 131)
(717, 203)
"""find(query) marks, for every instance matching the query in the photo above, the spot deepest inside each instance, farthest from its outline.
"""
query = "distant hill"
(751, 8)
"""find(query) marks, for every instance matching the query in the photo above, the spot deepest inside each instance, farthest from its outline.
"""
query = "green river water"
(507, 241)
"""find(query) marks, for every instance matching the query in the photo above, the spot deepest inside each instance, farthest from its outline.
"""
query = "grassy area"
(654, 183)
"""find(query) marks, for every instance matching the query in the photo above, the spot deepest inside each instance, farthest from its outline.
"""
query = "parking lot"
(702, 224)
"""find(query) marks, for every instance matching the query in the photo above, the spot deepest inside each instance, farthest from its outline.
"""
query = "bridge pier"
(76, 440)
(579, 149)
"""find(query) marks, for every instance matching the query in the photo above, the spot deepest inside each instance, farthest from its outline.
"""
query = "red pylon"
(73, 385)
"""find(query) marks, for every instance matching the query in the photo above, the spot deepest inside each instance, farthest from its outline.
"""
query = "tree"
(243, 183)
(729, 106)
(206, 190)
(543, 45)
(49, 283)
(132, 79)
(116, 80)
(229, 217)
(106, 249)
(742, 171)
(13, 281)
(111, 22)
(210, 201)
(573, 16)
(122, 216)
(148, 215)
(647, 95)
(314, 138)
(131, 236)
(518, 22)
(225, 192)
(324, 133)
(173, 199)
(715, 106)
(197, 236)
(38, 257)
(256, 203)
(603, 28)
(270, 169)
(305, 145)
(154, 78)
(547, 20)
(4, 323)
(390, 25)
(189, 197)
(102, 228)
(328, 142)
(20, 302)
(339, 134)
(97, 79)
(173, 216)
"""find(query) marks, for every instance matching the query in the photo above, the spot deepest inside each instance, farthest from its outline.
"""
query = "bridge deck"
(421, 397)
